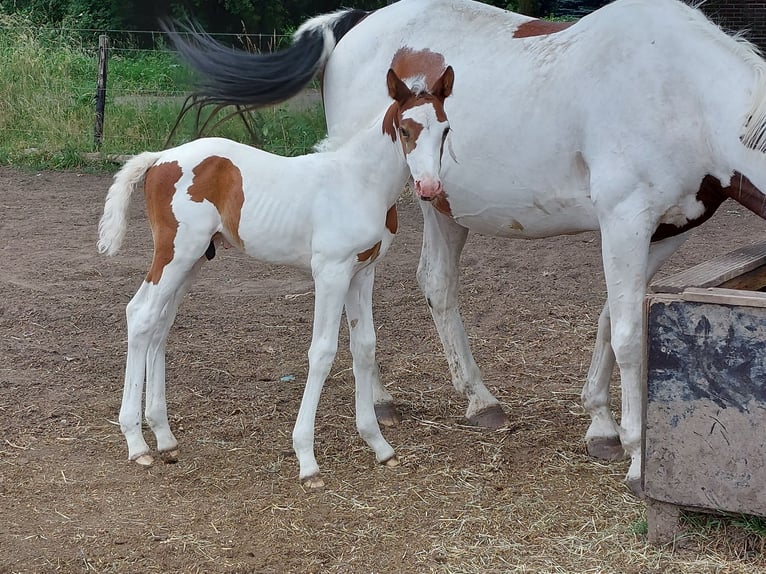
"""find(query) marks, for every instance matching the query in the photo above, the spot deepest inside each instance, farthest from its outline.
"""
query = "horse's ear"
(397, 89)
(443, 86)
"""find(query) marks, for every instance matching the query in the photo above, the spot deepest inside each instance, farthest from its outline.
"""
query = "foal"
(333, 213)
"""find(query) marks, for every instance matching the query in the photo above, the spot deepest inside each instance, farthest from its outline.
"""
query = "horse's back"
(532, 115)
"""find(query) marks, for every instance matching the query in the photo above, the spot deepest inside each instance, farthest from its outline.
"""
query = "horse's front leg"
(331, 283)
(366, 374)
(438, 277)
(602, 438)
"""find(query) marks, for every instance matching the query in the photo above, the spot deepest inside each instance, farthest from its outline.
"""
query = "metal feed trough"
(705, 410)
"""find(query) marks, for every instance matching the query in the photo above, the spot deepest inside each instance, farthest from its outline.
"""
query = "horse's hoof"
(313, 482)
(392, 462)
(491, 417)
(634, 484)
(169, 456)
(387, 414)
(144, 460)
(606, 448)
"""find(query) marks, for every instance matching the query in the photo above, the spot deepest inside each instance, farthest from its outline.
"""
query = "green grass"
(47, 111)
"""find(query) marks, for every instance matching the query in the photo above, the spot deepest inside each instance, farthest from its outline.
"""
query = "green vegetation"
(47, 86)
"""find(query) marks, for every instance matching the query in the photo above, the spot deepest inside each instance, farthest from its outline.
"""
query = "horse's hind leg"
(438, 276)
(362, 337)
(602, 438)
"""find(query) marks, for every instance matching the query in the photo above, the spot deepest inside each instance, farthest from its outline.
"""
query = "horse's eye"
(404, 132)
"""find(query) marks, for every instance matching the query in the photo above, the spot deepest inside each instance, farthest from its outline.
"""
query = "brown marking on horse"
(392, 220)
(712, 194)
(540, 28)
(219, 181)
(369, 254)
(441, 204)
(159, 188)
(742, 190)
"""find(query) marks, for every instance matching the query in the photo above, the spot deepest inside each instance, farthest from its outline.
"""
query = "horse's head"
(418, 120)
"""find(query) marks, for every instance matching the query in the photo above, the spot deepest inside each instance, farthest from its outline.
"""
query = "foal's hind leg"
(149, 316)
(156, 412)
(438, 275)
(362, 337)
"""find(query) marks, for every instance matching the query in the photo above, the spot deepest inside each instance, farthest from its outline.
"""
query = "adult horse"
(638, 121)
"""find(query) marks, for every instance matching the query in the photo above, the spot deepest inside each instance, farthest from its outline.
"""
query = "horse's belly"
(507, 215)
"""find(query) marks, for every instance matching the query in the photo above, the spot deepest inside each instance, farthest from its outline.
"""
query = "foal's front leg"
(331, 283)
(362, 337)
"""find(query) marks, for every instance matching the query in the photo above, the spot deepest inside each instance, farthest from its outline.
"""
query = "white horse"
(332, 213)
(637, 121)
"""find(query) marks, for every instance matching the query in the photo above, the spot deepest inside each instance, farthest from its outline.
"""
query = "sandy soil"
(521, 499)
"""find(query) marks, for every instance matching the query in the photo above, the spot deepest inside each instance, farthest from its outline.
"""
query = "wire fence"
(54, 105)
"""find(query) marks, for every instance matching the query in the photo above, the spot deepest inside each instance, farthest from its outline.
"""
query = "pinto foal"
(333, 213)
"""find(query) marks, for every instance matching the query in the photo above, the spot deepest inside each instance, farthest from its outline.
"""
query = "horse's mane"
(754, 129)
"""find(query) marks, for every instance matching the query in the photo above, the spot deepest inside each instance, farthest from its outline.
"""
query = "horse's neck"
(377, 160)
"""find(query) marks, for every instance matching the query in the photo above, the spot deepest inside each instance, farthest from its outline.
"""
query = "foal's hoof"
(313, 482)
(606, 448)
(392, 462)
(491, 417)
(169, 456)
(387, 414)
(144, 460)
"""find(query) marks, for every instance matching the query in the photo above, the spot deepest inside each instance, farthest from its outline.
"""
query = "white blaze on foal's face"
(419, 122)
(422, 133)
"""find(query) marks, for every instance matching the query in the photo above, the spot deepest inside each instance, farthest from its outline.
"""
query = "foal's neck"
(377, 161)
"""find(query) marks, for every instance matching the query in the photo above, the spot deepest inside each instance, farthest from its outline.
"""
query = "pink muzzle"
(428, 188)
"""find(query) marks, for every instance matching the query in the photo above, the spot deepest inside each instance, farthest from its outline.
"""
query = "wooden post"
(103, 49)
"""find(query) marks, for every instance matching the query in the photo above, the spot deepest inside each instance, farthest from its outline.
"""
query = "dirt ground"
(521, 499)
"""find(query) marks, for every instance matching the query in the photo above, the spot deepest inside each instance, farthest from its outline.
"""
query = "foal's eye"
(405, 134)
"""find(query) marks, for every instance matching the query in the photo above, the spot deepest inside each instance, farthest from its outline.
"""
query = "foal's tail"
(239, 77)
(114, 222)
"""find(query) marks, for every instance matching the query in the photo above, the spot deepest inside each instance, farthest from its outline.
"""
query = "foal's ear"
(397, 89)
(443, 86)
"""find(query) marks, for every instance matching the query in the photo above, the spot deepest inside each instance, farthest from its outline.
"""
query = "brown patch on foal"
(369, 254)
(392, 220)
(540, 28)
(159, 188)
(219, 181)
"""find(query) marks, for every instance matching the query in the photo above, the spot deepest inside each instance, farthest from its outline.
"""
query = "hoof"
(392, 462)
(634, 484)
(144, 460)
(491, 417)
(170, 456)
(313, 482)
(387, 414)
(606, 448)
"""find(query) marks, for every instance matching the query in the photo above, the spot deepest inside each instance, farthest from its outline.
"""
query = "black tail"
(232, 76)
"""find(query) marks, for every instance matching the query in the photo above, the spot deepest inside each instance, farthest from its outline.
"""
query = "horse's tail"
(239, 77)
(114, 222)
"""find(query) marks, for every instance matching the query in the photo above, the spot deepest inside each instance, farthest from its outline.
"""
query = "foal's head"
(417, 118)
